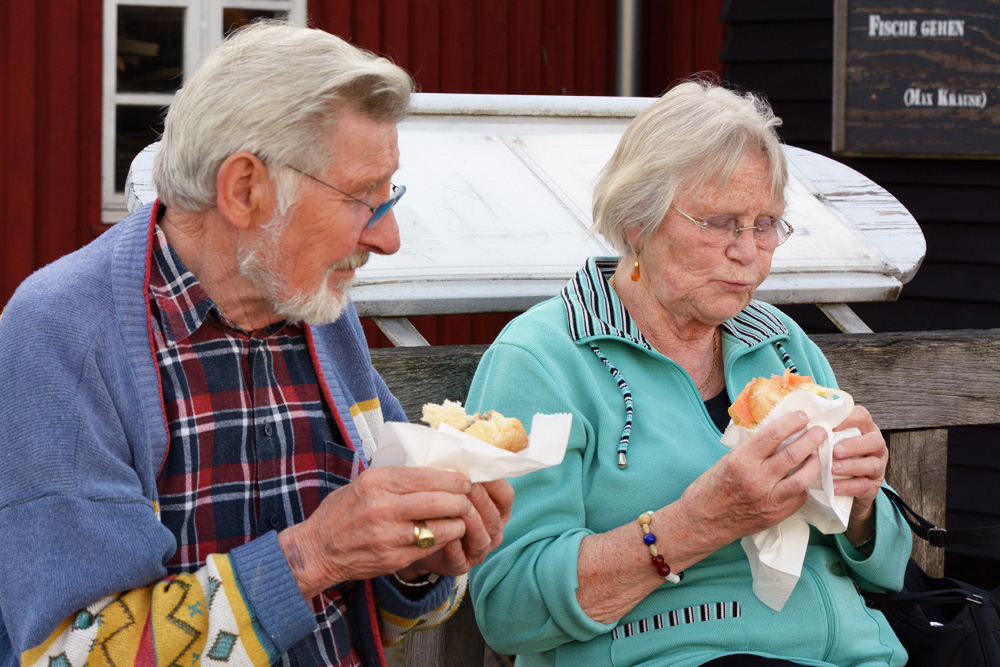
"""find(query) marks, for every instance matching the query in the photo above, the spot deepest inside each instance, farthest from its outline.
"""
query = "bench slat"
(927, 379)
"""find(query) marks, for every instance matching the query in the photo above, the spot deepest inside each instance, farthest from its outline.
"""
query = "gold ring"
(422, 535)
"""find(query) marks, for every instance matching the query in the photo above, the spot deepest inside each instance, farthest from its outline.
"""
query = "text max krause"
(877, 27)
(915, 97)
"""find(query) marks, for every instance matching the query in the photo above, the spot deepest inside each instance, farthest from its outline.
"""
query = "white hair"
(697, 133)
(275, 90)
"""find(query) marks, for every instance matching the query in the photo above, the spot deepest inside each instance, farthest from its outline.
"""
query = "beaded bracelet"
(650, 540)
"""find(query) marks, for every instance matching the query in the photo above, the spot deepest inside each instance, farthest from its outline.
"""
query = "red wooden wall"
(50, 132)
(679, 38)
(553, 47)
(50, 78)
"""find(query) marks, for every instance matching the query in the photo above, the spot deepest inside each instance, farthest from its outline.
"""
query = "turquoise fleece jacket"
(83, 436)
(525, 592)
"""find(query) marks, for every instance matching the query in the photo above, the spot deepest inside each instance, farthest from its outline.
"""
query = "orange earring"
(636, 274)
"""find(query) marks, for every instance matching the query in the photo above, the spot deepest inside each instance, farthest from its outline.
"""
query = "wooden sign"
(917, 79)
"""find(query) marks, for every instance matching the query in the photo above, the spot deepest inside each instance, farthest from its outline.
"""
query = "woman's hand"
(749, 489)
(755, 486)
(861, 461)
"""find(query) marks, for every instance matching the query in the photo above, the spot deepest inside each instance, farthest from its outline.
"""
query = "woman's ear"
(634, 238)
(244, 192)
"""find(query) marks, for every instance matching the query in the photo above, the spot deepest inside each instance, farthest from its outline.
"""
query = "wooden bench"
(916, 385)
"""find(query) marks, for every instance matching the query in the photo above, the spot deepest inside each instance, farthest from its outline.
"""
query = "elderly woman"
(647, 351)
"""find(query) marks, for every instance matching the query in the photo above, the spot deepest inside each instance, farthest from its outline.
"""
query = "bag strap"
(940, 537)
(943, 596)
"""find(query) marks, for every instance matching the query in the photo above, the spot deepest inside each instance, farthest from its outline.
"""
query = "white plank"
(845, 318)
(400, 332)
(498, 204)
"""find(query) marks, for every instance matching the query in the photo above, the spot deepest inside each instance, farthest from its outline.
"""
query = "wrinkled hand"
(755, 486)
(862, 461)
(484, 526)
(365, 529)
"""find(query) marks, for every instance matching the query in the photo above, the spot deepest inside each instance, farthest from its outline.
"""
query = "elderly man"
(189, 406)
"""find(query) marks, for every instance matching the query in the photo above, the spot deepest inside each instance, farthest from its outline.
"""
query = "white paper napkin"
(404, 444)
(776, 554)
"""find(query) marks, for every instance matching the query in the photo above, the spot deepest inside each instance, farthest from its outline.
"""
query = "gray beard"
(261, 264)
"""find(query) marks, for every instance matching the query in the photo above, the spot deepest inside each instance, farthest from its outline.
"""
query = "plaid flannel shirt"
(253, 445)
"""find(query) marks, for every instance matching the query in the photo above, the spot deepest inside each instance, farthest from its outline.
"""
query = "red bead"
(658, 561)
(664, 570)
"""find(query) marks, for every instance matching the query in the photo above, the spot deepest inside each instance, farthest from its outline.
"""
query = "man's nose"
(383, 238)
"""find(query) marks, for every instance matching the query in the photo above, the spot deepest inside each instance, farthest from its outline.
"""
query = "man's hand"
(365, 529)
(484, 525)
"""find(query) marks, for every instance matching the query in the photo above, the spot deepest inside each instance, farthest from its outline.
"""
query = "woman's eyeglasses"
(723, 230)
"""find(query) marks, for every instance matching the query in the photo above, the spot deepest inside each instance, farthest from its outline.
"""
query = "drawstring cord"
(785, 359)
(627, 395)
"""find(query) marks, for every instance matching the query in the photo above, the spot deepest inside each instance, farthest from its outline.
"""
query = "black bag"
(943, 622)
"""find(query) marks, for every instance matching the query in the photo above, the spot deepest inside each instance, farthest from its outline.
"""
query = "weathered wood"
(418, 375)
(927, 379)
(456, 643)
(918, 466)
(916, 77)
(427, 647)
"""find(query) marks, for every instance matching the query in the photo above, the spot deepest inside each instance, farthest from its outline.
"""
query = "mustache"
(353, 261)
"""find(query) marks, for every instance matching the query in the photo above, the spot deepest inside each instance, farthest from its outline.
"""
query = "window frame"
(202, 32)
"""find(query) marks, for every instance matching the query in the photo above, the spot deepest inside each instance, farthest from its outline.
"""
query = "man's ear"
(244, 193)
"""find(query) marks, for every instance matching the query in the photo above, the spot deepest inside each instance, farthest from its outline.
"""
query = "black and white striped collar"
(592, 307)
(593, 310)
(755, 324)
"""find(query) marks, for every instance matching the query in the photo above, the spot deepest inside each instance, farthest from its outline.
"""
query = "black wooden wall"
(784, 48)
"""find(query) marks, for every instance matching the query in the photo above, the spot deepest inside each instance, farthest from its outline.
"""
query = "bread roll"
(503, 432)
(450, 412)
(764, 394)
(493, 428)
(760, 395)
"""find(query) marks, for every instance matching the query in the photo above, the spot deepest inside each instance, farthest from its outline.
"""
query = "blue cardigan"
(83, 436)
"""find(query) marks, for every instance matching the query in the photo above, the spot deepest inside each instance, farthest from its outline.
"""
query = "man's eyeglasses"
(723, 230)
(378, 212)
